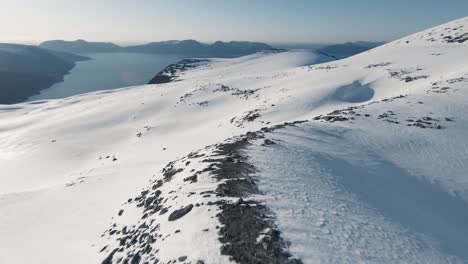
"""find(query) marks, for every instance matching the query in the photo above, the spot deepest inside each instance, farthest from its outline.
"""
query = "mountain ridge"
(187, 47)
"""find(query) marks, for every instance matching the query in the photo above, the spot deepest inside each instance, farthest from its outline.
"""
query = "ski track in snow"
(378, 174)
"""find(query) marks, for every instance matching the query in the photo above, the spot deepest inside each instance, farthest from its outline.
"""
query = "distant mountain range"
(193, 48)
(25, 70)
(341, 51)
(190, 48)
(80, 46)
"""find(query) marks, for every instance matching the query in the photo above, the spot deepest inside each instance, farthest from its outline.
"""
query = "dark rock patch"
(203, 104)
(407, 75)
(435, 88)
(243, 94)
(457, 39)
(351, 113)
(192, 179)
(170, 73)
(139, 241)
(381, 64)
(389, 117)
(427, 122)
(247, 222)
(457, 80)
(410, 78)
(248, 116)
(177, 214)
(327, 67)
(268, 142)
(244, 221)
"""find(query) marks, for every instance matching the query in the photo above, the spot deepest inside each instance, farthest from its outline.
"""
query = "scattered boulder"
(268, 142)
(177, 214)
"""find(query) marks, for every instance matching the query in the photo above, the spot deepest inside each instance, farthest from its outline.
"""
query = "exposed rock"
(170, 73)
(177, 214)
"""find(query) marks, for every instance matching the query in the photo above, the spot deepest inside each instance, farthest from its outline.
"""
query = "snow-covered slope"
(378, 173)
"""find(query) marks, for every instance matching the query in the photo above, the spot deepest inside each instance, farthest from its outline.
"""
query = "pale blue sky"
(297, 21)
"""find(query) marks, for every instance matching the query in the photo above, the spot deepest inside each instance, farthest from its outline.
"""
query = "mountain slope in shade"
(25, 70)
(264, 158)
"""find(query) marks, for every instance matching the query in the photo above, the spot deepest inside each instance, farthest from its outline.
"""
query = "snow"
(453, 32)
(193, 235)
(69, 165)
(354, 93)
(363, 207)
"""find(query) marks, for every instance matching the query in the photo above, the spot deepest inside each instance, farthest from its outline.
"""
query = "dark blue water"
(108, 71)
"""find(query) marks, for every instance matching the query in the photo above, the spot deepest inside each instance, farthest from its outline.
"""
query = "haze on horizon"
(272, 21)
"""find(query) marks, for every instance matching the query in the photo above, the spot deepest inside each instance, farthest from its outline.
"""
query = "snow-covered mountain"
(258, 159)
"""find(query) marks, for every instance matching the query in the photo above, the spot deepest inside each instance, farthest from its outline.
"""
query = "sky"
(271, 21)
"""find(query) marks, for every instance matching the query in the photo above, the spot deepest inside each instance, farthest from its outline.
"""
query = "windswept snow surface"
(377, 174)
(340, 198)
